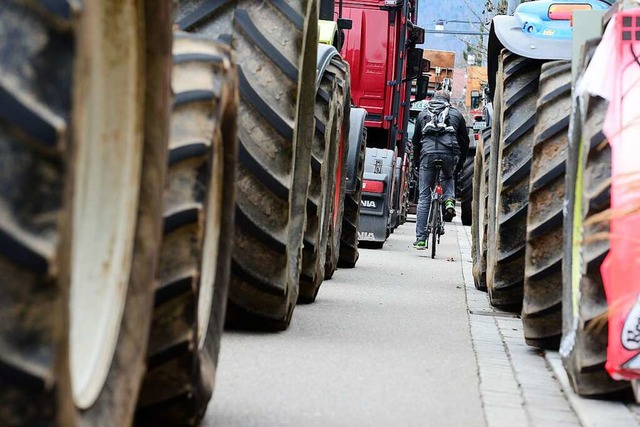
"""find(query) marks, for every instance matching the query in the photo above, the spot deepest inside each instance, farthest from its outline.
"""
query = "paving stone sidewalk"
(520, 385)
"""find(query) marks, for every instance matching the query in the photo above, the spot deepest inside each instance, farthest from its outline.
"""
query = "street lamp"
(439, 28)
(458, 21)
(438, 33)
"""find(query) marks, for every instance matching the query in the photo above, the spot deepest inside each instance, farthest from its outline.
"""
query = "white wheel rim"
(107, 126)
(211, 241)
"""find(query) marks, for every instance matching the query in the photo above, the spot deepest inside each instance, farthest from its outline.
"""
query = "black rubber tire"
(351, 219)
(372, 245)
(45, 84)
(585, 333)
(343, 111)
(404, 205)
(321, 187)
(479, 211)
(465, 189)
(396, 199)
(492, 168)
(505, 261)
(434, 233)
(485, 244)
(276, 50)
(542, 301)
(181, 365)
(586, 357)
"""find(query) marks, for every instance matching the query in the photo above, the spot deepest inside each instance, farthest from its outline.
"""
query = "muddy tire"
(193, 276)
(479, 211)
(492, 169)
(340, 68)
(505, 263)
(275, 130)
(542, 302)
(584, 345)
(351, 219)
(80, 202)
(584, 307)
(465, 189)
(324, 165)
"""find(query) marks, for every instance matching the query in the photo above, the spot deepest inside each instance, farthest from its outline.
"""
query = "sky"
(431, 11)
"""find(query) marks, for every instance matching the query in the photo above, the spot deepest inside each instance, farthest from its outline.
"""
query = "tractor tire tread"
(479, 211)
(518, 118)
(465, 189)
(176, 390)
(542, 301)
(272, 189)
(351, 220)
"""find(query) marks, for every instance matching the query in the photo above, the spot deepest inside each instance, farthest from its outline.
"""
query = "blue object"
(534, 18)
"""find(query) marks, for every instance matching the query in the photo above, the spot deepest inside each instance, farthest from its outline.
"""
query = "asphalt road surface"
(386, 344)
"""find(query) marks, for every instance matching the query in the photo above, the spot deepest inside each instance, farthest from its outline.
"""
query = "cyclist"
(440, 133)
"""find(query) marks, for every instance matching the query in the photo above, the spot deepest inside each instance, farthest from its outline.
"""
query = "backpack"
(438, 111)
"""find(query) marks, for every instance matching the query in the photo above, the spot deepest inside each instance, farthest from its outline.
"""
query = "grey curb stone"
(522, 386)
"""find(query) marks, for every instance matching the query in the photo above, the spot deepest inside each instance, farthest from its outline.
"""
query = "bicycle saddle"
(438, 163)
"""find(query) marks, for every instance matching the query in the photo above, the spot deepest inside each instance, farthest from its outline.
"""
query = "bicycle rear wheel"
(427, 228)
(434, 226)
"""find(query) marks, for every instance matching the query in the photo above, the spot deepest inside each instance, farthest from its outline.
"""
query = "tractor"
(168, 168)
(541, 181)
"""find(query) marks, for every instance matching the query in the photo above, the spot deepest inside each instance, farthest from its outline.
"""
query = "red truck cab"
(381, 50)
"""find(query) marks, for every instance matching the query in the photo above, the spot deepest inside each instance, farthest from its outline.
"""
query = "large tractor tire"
(519, 85)
(479, 210)
(542, 302)
(193, 279)
(465, 189)
(492, 169)
(584, 307)
(276, 48)
(83, 146)
(585, 342)
(340, 68)
(351, 219)
(324, 165)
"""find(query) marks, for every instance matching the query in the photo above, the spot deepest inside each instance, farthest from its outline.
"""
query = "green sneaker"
(421, 245)
(449, 210)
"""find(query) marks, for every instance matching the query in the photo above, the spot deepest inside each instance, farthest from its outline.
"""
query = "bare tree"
(497, 7)
(482, 17)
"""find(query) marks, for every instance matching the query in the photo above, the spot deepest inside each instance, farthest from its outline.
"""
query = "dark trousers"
(427, 180)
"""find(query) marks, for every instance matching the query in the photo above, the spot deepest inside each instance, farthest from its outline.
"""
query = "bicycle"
(435, 223)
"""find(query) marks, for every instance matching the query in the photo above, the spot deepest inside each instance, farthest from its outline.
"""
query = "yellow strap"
(328, 31)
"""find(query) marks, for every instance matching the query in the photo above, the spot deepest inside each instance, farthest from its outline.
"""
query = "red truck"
(380, 47)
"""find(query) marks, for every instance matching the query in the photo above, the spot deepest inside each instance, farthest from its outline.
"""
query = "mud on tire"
(585, 332)
(542, 303)
(465, 189)
(479, 211)
(64, 170)
(351, 219)
(505, 262)
(191, 297)
(276, 50)
(340, 69)
(585, 356)
(324, 163)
